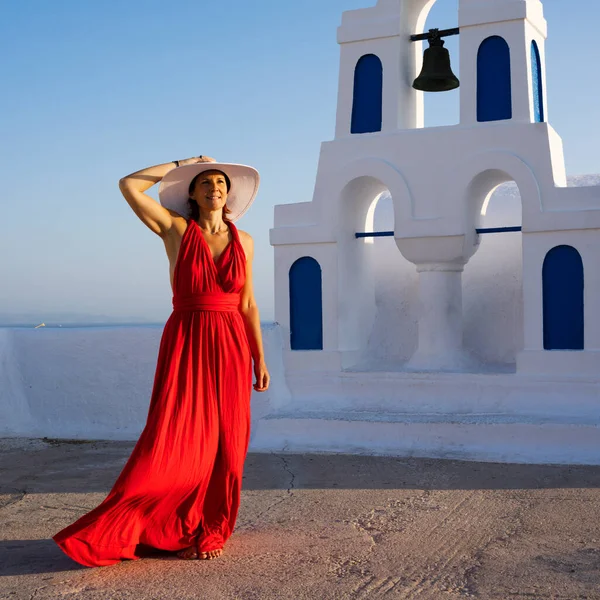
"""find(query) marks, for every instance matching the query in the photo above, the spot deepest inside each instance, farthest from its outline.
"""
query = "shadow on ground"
(94, 466)
(36, 557)
(28, 557)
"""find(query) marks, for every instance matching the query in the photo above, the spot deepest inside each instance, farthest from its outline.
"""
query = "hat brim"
(173, 190)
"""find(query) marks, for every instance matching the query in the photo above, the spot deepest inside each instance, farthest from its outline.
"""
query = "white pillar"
(440, 345)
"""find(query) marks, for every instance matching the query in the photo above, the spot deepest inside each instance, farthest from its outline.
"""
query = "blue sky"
(95, 90)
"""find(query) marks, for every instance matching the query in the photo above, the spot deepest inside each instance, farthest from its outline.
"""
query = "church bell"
(436, 75)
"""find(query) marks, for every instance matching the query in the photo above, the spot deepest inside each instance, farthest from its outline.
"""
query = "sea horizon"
(84, 325)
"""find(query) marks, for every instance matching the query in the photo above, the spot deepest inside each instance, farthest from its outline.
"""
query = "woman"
(180, 489)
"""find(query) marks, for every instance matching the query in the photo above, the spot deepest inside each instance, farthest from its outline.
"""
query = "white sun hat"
(173, 191)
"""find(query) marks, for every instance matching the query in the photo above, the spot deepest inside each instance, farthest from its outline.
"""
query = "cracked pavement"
(319, 527)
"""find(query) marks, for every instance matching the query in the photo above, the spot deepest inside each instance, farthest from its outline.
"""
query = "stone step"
(480, 437)
(452, 418)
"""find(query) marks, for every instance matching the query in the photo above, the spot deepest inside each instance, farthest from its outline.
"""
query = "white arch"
(377, 175)
(484, 171)
(344, 207)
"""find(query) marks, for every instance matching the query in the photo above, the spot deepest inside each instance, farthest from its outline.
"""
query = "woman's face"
(210, 191)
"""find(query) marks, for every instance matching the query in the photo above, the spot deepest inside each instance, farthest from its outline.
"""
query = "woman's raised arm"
(151, 213)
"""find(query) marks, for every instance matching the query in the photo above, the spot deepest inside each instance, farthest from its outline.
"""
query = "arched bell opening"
(563, 299)
(494, 86)
(493, 278)
(306, 305)
(442, 109)
(367, 107)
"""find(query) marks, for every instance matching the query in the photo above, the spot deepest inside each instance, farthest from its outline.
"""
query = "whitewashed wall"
(94, 383)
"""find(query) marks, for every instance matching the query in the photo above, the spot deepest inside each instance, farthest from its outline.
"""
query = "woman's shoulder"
(244, 235)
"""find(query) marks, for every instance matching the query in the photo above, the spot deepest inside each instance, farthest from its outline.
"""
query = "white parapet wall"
(94, 382)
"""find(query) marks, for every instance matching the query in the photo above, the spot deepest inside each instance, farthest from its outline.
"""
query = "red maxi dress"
(181, 485)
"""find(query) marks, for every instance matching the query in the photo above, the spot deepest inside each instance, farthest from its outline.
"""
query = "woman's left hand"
(262, 376)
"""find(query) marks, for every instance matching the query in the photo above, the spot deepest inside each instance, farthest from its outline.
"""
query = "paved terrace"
(319, 527)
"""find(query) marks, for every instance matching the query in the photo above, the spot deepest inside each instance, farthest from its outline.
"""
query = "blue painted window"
(536, 78)
(494, 91)
(306, 305)
(367, 108)
(563, 299)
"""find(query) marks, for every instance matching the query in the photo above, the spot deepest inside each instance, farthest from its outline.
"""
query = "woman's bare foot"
(192, 554)
(188, 553)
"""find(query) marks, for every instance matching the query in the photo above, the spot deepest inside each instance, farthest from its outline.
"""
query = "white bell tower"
(332, 298)
(439, 179)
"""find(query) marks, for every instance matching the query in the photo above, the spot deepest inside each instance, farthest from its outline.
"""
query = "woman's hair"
(193, 205)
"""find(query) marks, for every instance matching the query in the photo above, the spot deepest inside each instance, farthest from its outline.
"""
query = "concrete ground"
(319, 527)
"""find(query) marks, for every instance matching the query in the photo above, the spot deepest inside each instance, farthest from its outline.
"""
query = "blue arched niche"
(536, 80)
(563, 283)
(306, 305)
(494, 89)
(367, 106)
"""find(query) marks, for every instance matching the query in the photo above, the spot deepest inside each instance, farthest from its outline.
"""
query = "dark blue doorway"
(306, 305)
(563, 305)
